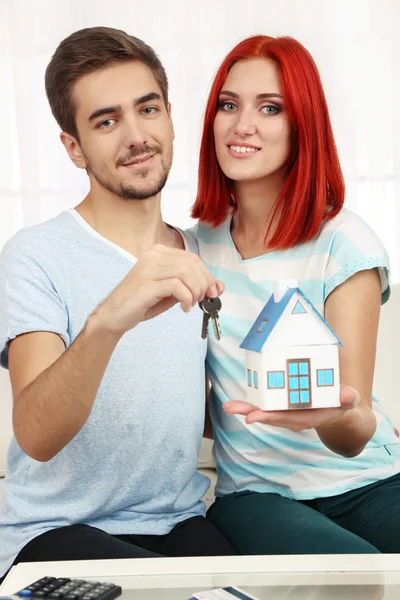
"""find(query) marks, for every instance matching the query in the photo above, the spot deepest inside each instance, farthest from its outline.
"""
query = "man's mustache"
(138, 151)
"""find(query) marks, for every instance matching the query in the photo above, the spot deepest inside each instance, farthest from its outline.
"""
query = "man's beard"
(129, 191)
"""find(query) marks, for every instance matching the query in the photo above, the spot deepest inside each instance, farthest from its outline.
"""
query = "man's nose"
(134, 133)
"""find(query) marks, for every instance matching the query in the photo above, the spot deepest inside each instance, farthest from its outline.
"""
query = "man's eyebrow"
(107, 110)
(259, 96)
(147, 98)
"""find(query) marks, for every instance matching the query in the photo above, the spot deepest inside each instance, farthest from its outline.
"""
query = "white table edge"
(24, 573)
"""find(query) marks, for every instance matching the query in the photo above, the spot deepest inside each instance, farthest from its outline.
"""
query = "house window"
(299, 382)
(255, 379)
(249, 378)
(298, 309)
(324, 377)
(262, 325)
(276, 379)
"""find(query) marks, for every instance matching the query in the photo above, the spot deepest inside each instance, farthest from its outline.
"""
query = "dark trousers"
(362, 521)
(193, 537)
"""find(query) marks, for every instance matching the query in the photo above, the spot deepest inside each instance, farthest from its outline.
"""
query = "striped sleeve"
(354, 248)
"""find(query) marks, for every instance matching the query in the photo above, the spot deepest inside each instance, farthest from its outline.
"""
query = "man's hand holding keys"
(161, 278)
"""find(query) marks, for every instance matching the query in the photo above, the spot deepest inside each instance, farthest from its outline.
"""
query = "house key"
(210, 308)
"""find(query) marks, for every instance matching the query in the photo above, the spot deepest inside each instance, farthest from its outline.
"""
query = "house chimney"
(281, 287)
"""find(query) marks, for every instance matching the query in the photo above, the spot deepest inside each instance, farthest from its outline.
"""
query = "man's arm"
(54, 390)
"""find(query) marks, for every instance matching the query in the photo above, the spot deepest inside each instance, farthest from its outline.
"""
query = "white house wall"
(293, 329)
(254, 362)
(274, 358)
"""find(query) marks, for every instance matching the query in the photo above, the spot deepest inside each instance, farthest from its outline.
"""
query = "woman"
(270, 204)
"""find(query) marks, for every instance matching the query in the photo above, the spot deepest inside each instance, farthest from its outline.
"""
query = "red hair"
(314, 187)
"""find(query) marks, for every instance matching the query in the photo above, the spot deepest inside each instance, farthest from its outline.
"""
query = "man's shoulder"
(190, 240)
(36, 240)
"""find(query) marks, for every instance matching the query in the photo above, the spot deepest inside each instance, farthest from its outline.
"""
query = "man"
(108, 400)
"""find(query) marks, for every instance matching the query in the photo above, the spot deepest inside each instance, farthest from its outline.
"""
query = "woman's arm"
(352, 310)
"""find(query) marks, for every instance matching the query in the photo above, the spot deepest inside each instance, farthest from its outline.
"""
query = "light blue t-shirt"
(132, 467)
(263, 458)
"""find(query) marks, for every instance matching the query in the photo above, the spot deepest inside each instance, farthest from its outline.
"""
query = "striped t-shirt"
(264, 458)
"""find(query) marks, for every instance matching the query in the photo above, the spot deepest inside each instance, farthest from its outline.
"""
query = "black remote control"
(62, 588)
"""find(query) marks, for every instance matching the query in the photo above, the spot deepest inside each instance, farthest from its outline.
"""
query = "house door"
(299, 383)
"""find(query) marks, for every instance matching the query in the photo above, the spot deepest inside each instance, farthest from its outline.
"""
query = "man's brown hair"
(86, 51)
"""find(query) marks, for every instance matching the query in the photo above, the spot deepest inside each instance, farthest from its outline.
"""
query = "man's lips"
(139, 160)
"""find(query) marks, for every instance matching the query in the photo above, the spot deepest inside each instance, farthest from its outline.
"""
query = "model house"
(292, 357)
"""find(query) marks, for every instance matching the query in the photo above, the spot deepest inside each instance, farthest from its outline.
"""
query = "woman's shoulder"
(353, 246)
(350, 232)
(207, 234)
(347, 221)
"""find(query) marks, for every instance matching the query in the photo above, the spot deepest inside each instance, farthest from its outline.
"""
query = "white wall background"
(356, 44)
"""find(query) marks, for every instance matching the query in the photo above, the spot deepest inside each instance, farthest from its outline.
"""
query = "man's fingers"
(193, 280)
(220, 287)
(160, 307)
(172, 287)
(216, 289)
(172, 262)
(168, 255)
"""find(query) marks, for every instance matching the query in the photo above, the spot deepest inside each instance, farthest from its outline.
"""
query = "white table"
(344, 577)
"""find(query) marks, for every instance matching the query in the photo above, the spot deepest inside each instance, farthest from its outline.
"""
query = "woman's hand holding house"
(297, 420)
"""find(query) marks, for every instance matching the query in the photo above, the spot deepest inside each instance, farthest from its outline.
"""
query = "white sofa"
(386, 386)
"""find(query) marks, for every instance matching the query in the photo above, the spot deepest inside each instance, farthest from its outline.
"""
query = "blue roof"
(272, 312)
